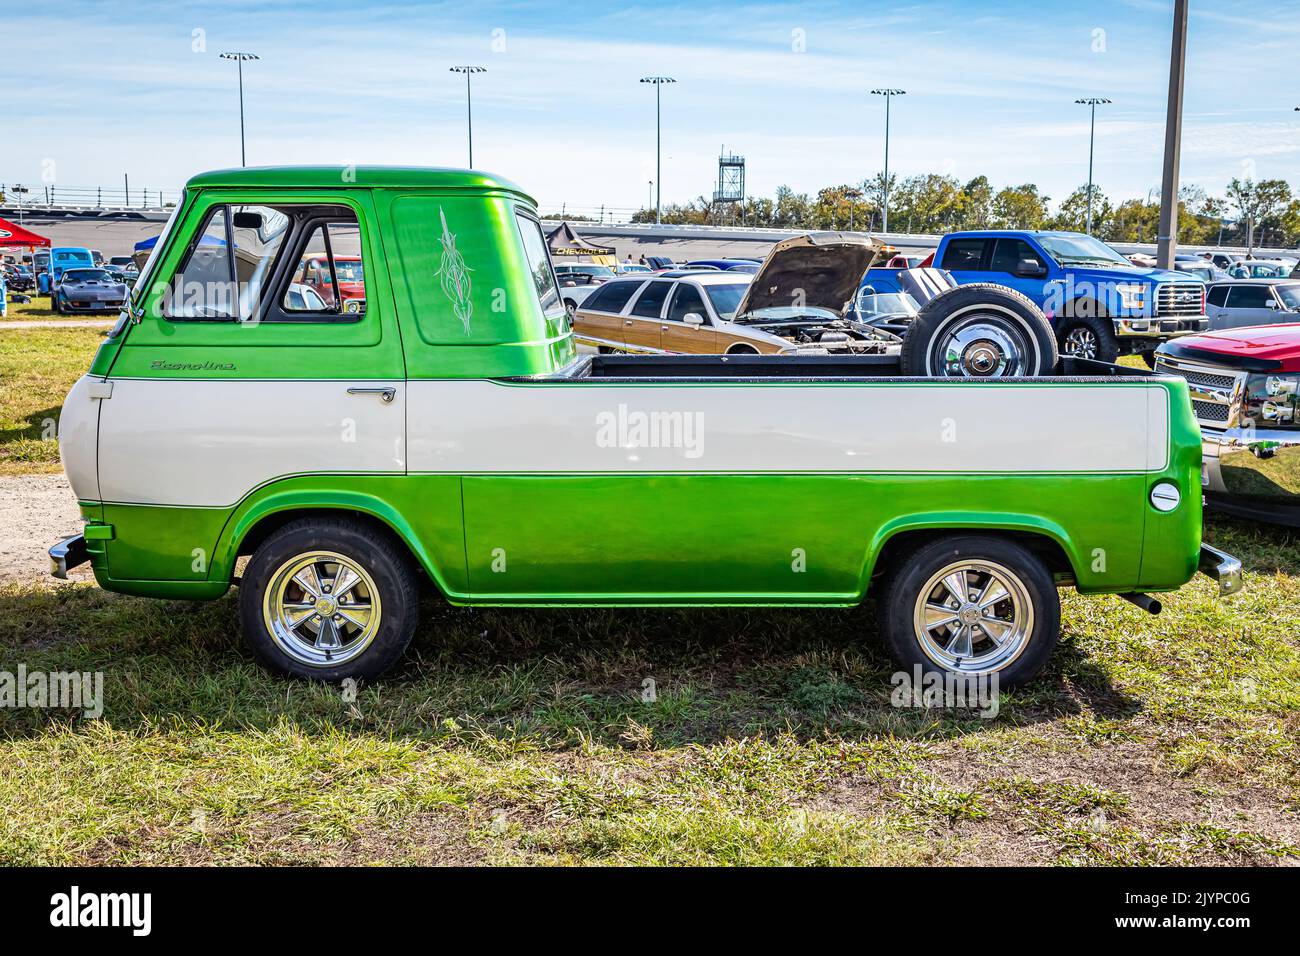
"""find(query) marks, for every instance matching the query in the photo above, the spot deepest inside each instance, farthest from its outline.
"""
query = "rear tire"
(327, 599)
(1006, 621)
(980, 330)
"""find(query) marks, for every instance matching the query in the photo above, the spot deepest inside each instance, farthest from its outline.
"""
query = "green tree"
(1020, 207)
(975, 204)
(1073, 212)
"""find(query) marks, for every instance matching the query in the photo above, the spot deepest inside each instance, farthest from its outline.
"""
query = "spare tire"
(980, 330)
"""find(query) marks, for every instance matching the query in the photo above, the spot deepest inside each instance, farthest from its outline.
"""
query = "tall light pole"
(1167, 240)
(888, 94)
(469, 104)
(239, 59)
(1092, 102)
(658, 81)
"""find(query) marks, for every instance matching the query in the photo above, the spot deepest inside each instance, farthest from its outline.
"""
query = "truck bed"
(795, 367)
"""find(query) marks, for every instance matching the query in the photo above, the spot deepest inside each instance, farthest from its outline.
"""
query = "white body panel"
(78, 430)
(483, 427)
(209, 443)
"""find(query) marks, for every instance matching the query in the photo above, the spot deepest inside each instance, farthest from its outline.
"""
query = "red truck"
(351, 280)
(1245, 390)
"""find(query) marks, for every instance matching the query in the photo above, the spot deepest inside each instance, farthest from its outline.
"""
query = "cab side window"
(1008, 253)
(271, 264)
(1218, 295)
(332, 274)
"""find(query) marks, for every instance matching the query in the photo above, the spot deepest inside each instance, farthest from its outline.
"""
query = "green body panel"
(741, 538)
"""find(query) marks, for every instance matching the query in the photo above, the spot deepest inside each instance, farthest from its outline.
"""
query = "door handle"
(627, 322)
(386, 394)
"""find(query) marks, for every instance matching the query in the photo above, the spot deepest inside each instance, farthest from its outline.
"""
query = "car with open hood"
(796, 303)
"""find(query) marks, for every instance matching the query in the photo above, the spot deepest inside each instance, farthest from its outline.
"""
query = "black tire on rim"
(1090, 337)
(971, 605)
(329, 598)
(742, 349)
(980, 330)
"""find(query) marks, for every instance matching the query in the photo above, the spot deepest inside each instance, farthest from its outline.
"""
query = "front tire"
(327, 599)
(1090, 337)
(972, 605)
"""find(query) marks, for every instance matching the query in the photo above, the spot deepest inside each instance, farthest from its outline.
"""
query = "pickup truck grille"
(1215, 390)
(1180, 299)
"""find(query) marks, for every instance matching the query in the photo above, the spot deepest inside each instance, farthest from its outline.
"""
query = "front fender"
(437, 543)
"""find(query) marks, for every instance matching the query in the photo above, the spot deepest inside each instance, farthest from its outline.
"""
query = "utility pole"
(469, 104)
(658, 81)
(888, 94)
(1092, 102)
(1168, 238)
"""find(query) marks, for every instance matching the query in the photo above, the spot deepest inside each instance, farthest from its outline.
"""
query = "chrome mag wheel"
(322, 608)
(1081, 342)
(973, 617)
(981, 347)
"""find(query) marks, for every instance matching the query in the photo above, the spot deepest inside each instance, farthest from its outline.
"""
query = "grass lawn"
(38, 310)
(523, 735)
(37, 367)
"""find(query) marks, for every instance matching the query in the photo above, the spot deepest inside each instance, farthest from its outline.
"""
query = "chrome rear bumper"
(68, 553)
(1223, 567)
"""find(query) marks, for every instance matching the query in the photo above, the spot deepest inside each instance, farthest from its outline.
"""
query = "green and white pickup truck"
(450, 435)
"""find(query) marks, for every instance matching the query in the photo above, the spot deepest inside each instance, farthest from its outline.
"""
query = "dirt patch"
(35, 511)
(1115, 800)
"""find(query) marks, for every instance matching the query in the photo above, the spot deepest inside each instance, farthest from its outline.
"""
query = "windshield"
(72, 257)
(87, 275)
(349, 270)
(726, 298)
(1082, 250)
(786, 313)
(871, 303)
(1290, 296)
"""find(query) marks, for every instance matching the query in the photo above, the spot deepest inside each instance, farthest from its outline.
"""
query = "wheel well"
(1084, 307)
(742, 347)
(1046, 548)
(273, 522)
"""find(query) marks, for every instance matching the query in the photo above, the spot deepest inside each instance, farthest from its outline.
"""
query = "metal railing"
(55, 196)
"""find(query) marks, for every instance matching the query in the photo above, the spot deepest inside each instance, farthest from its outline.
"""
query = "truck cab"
(1100, 305)
(61, 259)
(451, 437)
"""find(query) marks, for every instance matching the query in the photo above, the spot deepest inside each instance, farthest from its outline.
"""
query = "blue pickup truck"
(1100, 305)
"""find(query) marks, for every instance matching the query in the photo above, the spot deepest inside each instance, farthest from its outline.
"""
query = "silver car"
(88, 290)
(1238, 303)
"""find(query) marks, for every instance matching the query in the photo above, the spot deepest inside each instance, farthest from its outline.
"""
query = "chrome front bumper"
(1223, 567)
(67, 554)
(1160, 328)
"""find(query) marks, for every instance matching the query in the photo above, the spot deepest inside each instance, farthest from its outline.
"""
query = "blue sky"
(105, 88)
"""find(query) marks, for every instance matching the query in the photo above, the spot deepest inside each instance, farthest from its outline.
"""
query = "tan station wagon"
(795, 303)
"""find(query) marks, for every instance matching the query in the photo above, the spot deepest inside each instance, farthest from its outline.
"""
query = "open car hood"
(820, 269)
